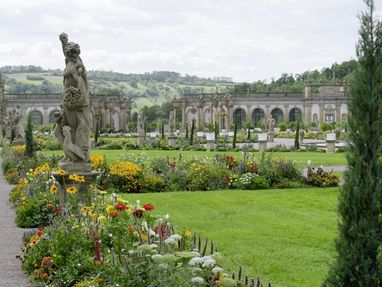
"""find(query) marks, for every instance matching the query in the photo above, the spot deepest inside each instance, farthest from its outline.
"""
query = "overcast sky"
(248, 40)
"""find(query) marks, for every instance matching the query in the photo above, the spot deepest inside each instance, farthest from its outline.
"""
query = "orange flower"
(113, 214)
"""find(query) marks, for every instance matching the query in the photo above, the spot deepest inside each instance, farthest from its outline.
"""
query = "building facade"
(114, 112)
(318, 103)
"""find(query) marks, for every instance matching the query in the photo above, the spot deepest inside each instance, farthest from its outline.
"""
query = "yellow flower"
(77, 178)
(53, 189)
(98, 161)
(125, 169)
(71, 190)
(187, 233)
(101, 218)
(60, 171)
(109, 208)
(123, 201)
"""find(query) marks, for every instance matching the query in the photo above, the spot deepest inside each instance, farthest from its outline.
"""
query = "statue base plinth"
(75, 167)
(141, 140)
(210, 145)
(271, 136)
(330, 146)
(17, 142)
(172, 141)
(82, 187)
(262, 146)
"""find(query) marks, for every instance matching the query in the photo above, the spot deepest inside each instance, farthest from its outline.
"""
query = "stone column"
(248, 118)
(122, 118)
(321, 112)
(267, 112)
(286, 113)
(338, 112)
(45, 118)
(307, 112)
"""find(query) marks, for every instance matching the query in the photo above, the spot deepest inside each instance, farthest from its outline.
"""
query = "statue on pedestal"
(13, 123)
(73, 125)
(140, 126)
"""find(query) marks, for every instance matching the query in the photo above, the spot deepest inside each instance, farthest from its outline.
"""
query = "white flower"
(110, 234)
(198, 280)
(217, 269)
(209, 263)
(176, 237)
(138, 203)
(152, 246)
(195, 261)
(156, 257)
(309, 162)
(170, 241)
(167, 216)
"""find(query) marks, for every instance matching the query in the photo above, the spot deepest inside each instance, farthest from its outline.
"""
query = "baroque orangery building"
(318, 103)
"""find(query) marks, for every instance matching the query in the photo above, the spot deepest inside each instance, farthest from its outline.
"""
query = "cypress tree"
(234, 136)
(29, 145)
(162, 130)
(216, 131)
(192, 132)
(96, 135)
(358, 259)
(297, 137)
(187, 131)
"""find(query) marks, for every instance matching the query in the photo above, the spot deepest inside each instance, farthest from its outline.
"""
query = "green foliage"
(192, 132)
(358, 259)
(96, 133)
(234, 136)
(321, 178)
(297, 137)
(30, 150)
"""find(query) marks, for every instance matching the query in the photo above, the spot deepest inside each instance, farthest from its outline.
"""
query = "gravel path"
(10, 242)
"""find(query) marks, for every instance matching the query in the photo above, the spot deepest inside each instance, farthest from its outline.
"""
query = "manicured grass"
(317, 158)
(281, 235)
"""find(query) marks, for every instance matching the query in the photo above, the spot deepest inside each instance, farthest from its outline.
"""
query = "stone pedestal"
(330, 142)
(210, 145)
(80, 169)
(262, 145)
(271, 136)
(141, 140)
(330, 146)
(172, 140)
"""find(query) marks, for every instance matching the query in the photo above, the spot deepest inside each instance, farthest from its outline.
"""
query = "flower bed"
(111, 242)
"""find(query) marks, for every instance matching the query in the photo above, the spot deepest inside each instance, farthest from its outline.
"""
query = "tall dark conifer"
(29, 144)
(359, 259)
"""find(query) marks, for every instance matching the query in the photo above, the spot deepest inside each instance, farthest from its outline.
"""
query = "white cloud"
(248, 40)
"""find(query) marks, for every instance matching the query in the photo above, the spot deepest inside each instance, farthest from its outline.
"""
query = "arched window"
(257, 116)
(52, 116)
(36, 117)
(239, 117)
(277, 114)
(295, 115)
(344, 117)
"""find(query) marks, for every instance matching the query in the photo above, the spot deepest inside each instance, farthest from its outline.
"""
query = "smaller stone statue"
(140, 125)
(13, 123)
(171, 123)
(159, 124)
(270, 126)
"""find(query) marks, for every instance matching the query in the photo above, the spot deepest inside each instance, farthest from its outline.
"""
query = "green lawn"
(281, 235)
(317, 158)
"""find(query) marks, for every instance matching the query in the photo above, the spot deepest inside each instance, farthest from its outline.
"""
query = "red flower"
(57, 210)
(40, 233)
(113, 214)
(226, 180)
(138, 213)
(131, 228)
(163, 230)
(148, 206)
(120, 206)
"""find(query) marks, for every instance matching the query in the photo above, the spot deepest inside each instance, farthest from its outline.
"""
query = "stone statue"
(13, 123)
(159, 124)
(270, 126)
(140, 125)
(171, 122)
(17, 126)
(74, 116)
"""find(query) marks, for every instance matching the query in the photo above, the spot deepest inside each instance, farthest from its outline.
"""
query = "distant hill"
(155, 88)
(146, 89)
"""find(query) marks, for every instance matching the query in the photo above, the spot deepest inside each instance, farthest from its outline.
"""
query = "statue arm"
(64, 42)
